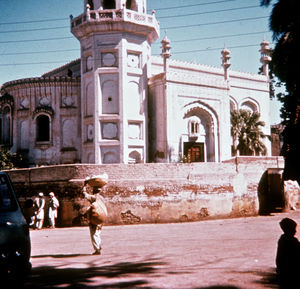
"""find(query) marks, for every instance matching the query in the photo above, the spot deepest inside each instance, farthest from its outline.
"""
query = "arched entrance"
(200, 141)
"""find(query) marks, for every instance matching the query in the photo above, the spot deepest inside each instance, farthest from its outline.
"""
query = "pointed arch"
(132, 5)
(233, 103)
(249, 104)
(208, 133)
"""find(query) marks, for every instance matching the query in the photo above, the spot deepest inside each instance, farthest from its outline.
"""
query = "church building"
(120, 104)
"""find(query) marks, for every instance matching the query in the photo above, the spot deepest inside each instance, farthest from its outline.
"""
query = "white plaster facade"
(120, 104)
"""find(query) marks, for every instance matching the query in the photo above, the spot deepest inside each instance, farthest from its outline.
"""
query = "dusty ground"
(230, 253)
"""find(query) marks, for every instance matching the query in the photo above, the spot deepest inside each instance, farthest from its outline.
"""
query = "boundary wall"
(154, 192)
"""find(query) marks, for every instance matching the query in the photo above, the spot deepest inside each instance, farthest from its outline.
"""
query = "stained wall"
(154, 192)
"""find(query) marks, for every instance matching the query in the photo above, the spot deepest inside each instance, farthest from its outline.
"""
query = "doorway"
(194, 152)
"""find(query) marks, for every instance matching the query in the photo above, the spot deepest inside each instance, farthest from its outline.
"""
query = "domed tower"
(115, 38)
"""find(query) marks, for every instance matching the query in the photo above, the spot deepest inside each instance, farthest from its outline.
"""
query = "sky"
(35, 35)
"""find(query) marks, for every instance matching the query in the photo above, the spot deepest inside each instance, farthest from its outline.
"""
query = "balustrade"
(114, 15)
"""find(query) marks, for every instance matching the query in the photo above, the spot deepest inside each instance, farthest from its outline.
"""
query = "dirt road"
(230, 253)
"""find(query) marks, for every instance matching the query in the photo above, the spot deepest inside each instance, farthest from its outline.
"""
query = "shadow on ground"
(219, 287)
(54, 277)
(268, 279)
(61, 256)
(133, 275)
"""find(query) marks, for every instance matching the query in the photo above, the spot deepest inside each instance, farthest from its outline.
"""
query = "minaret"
(265, 58)
(226, 62)
(165, 52)
(115, 38)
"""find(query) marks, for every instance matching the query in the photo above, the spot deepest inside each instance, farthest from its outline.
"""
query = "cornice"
(197, 67)
(63, 67)
(39, 81)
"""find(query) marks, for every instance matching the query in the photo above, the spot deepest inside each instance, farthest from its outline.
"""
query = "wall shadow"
(270, 194)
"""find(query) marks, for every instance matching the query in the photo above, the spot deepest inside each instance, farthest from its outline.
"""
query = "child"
(288, 255)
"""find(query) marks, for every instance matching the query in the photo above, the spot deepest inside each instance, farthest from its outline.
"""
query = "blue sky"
(35, 35)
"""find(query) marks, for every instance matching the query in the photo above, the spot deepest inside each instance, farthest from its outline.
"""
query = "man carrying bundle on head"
(97, 211)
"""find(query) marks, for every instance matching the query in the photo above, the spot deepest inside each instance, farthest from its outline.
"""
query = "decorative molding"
(43, 109)
(7, 99)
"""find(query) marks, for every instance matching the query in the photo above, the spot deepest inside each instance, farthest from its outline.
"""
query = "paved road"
(230, 253)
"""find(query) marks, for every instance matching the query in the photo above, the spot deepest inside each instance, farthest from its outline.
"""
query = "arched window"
(43, 128)
(6, 126)
(109, 4)
(249, 105)
(91, 3)
(131, 4)
(134, 157)
(194, 126)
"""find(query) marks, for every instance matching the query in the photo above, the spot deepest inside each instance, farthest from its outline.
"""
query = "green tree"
(284, 22)
(10, 160)
(246, 133)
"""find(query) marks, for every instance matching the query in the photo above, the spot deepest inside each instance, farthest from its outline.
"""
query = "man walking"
(96, 213)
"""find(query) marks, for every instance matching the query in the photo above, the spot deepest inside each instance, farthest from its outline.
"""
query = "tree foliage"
(246, 133)
(10, 160)
(285, 24)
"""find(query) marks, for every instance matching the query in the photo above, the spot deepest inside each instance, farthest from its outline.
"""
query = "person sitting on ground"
(288, 255)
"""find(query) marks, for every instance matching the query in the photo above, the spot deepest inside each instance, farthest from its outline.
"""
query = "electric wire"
(192, 5)
(208, 12)
(165, 28)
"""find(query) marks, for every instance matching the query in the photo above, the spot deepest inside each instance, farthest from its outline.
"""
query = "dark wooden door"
(194, 152)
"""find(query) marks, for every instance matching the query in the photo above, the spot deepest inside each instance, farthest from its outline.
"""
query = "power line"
(174, 41)
(208, 12)
(35, 29)
(34, 21)
(218, 22)
(165, 8)
(179, 52)
(162, 17)
(39, 52)
(33, 63)
(215, 37)
(213, 49)
(172, 27)
(33, 40)
(193, 5)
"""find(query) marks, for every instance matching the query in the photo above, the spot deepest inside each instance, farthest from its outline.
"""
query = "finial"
(265, 58)
(165, 50)
(225, 61)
